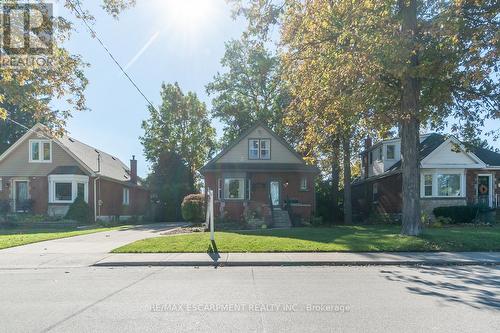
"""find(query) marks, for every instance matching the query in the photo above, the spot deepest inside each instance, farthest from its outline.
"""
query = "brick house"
(451, 175)
(260, 171)
(50, 172)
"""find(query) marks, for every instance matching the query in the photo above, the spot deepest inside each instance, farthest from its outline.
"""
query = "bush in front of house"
(457, 214)
(193, 208)
(79, 211)
(4, 207)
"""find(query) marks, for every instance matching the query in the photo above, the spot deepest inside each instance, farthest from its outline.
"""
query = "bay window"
(442, 184)
(66, 188)
(40, 151)
(63, 191)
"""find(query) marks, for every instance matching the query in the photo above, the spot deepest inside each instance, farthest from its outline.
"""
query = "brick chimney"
(368, 143)
(133, 170)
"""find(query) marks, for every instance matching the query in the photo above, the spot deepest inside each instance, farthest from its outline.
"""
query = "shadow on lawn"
(477, 287)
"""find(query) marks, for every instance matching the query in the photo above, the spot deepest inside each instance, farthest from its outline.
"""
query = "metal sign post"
(210, 214)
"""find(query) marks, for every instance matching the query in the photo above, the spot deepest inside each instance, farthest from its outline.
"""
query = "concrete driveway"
(78, 251)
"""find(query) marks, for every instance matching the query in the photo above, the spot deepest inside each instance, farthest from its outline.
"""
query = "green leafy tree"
(250, 90)
(180, 126)
(169, 183)
(27, 93)
(419, 62)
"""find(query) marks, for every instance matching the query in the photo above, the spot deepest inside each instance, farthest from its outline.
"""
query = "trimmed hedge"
(193, 208)
(457, 214)
(79, 211)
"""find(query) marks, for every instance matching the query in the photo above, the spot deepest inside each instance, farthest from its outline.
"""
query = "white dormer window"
(259, 149)
(40, 151)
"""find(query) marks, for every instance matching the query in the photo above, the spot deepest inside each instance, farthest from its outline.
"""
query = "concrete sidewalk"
(300, 259)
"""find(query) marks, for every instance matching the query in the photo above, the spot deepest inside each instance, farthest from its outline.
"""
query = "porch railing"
(496, 201)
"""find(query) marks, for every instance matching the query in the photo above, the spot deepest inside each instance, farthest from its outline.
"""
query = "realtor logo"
(27, 29)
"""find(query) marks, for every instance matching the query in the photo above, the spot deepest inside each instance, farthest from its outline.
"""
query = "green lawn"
(10, 237)
(341, 238)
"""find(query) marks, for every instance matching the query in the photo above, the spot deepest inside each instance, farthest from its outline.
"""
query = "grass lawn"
(340, 238)
(10, 237)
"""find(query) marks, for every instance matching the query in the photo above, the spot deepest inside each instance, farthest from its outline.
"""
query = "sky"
(156, 41)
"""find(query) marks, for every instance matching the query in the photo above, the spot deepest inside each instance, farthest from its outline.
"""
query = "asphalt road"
(251, 299)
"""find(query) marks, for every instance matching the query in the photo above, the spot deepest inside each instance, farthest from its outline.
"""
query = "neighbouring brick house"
(260, 171)
(452, 174)
(50, 172)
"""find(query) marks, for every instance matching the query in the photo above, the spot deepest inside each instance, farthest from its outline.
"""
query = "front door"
(21, 194)
(484, 190)
(274, 188)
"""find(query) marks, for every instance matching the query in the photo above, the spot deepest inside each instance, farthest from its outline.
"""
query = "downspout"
(95, 185)
(95, 198)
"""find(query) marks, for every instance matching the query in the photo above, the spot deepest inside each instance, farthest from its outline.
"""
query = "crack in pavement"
(98, 301)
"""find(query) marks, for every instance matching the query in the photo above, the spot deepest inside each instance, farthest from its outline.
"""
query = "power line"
(81, 16)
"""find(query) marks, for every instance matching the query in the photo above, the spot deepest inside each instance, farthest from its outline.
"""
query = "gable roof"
(487, 156)
(434, 140)
(212, 164)
(110, 167)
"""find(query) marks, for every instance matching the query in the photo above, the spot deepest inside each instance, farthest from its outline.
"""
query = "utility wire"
(81, 16)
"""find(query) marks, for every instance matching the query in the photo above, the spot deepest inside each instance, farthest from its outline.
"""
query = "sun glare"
(189, 16)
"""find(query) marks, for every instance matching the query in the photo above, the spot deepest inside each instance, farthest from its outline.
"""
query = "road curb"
(294, 263)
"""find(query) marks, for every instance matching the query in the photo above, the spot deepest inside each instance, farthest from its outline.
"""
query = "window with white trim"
(249, 189)
(40, 151)
(126, 196)
(64, 192)
(442, 184)
(303, 184)
(379, 154)
(66, 188)
(428, 185)
(1, 185)
(391, 152)
(448, 185)
(234, 188)
(253, 149)
(259, 149)
(265, 149)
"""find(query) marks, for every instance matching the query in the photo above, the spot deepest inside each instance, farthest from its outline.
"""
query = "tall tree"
(420, 62)
(250, 90)
(27, 92)
(169, 182)
(179, 126)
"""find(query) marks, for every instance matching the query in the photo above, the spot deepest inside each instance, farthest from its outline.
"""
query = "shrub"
(79, 211)
(193, 208)
(457, 214)
(4, 207)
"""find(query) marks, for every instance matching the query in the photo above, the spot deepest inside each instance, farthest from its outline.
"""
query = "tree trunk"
(410, 141)
(335, 183)
(346, 145)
